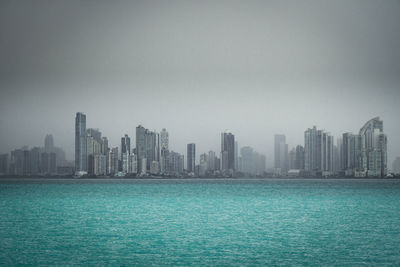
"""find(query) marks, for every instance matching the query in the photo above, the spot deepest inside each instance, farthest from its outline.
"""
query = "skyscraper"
(299, 161)
(228, 151)
(351, 153)
(80, 143)
(48, 143)
(191, 157)
(140, 146)
(373, 148)
(125, 145)
(164, 139)
(281, 154)
(4, 164)
(211, 161)
(252, 162)
(147, 147)
(125, 152)
(318, 152)
(236, 155)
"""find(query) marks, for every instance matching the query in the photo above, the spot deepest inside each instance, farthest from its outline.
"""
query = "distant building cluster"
(356, 155)
(36, 161)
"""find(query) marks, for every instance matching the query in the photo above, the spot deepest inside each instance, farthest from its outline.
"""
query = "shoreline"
(27, 178)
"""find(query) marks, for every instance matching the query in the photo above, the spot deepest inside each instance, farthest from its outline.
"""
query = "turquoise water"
(192, 222)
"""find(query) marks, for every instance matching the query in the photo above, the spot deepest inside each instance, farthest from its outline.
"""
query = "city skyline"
(271, 163)
(353, 155)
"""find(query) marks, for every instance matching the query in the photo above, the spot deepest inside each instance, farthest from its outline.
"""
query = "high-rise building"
(164, 139)
(125, 145)
(48, 143)
(247, 163)
(203, 164)
(373, 148)
(100, 167)
(132, 163)
(125, 152)
(318, 152)
(281, 154)
(4, 164)
(140, 146)
(164, 161)
(351, 153)
(147, 147)
(292, 159)
(113, 161)
(299, 161)
(154, 167)
(35, 160)
(17, 162)
(191, 157)
(252, 162)
(236, 155)
(211, 161)
(80, 143)
(228, 151)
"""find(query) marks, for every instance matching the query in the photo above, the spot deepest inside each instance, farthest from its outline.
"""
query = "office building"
(80, 143)
(228, 152)
(373, 148)
(147, 147)
(191, 158)
(281, 163)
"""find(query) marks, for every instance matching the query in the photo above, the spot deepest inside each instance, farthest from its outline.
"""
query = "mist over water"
(198, 68)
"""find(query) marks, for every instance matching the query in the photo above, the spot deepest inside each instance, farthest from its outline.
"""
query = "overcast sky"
(197, 68)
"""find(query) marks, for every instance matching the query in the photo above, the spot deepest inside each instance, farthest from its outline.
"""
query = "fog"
(197, 68)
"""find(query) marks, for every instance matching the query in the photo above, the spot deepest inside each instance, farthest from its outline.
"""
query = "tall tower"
(80, 143)
(228, 151)
(48, 143)
(191, 157)
(147, 148)
(164, 139)
(281, 153)
(125, 145)
(140, 146)
(373, 148)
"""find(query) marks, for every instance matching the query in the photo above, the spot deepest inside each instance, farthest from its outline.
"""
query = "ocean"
(197, 222)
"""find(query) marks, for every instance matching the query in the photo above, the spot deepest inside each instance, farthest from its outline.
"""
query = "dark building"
(147, 147)
(228, 151)
(299, 159)
(80, 143)
(191, 157)
(35, 161)
(4, 164)
(125, 145)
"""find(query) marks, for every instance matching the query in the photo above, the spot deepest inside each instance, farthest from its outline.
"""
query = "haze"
(197, 68)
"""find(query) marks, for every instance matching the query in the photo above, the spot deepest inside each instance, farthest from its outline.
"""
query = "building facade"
(80, 143)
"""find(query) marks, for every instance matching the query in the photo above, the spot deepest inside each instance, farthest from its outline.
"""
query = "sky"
(198, 68)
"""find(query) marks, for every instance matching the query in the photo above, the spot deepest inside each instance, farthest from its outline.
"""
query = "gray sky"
(197, 68)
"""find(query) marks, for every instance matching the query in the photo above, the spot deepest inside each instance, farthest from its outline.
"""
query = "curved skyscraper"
(373, 148)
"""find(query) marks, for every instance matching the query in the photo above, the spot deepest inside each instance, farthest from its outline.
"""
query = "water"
(196, 222)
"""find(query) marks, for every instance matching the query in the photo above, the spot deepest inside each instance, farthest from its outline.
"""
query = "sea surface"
(200, 222)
